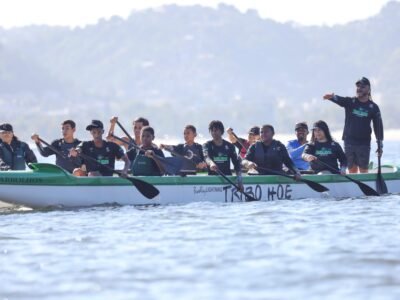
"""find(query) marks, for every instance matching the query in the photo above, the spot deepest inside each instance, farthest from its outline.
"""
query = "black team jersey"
(222, 156)
(358, 117)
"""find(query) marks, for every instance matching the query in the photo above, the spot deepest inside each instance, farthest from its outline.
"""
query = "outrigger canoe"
(47, 185)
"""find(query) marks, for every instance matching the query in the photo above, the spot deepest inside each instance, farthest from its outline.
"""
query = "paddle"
(171, 165)
(58, 152)
(380, 182)
(126, 133)
(248, 196)
(312, 184)
(238, 140)
(367, 190)
(148, 190)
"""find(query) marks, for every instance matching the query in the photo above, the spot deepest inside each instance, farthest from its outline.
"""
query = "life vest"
(268, 159)
(14, 155)
(144, 166)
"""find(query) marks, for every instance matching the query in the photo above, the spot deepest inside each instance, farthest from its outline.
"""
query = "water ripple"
(307, 249)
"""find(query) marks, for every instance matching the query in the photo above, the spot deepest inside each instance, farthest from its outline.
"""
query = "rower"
(63, 146)
(269, 153)
(243, 144)
(219, 153)
(192, 151)
(103, 151)
(138, 124)
(144, 161)
(14, 154)
(296, 147)
(325, 149)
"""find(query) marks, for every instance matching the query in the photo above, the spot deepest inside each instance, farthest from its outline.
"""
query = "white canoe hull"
(39, 189)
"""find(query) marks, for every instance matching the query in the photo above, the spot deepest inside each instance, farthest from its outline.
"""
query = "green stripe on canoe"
(48, 174)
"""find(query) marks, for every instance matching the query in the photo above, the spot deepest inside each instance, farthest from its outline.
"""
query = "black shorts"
(357, 155)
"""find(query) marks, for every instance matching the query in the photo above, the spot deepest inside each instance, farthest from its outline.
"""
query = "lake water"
(305, 249)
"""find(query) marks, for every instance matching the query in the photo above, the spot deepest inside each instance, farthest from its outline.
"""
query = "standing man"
(359, 112)
(14, 154)
(296, 147)
(63, 146)
(102, 151)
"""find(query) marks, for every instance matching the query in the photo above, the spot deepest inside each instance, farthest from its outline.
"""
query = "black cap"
(364, 81)
(6, 127)
(95, 124)
(254, 130)
(301, 125)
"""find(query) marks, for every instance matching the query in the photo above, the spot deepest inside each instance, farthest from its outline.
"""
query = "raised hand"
(328, 96)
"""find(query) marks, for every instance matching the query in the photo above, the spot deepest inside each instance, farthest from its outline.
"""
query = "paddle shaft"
(380, 182)
(93, 160)
(251, 198)
(133, 143)
(165, 164)
(126, 132)
(366, 189)
(147, 189)
(238, 140)
(312, 184)
(58, 152)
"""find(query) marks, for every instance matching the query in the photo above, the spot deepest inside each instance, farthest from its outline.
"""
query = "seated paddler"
(268, 155)
(99, 155)
(144, 158)
(191, 151)
(14, 154)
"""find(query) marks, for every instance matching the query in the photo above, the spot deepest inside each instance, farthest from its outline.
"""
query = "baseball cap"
(364, 81)
(95, 124)
(6, 127)
(301, 125)
(254, 130)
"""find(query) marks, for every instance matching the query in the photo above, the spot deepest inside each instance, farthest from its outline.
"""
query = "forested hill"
(179, 65)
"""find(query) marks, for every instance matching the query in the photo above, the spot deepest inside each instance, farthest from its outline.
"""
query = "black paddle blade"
(249, 198)
(381, 185)
(171, 165)
(148, 190)
(315, 185)
(366, 189)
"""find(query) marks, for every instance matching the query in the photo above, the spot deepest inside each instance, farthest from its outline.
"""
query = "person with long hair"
(359, 112)
(323, 148)
(14, 154)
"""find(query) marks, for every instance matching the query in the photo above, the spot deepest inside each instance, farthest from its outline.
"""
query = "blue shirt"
(295, 150)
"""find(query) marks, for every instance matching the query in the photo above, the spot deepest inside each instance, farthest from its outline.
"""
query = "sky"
(82, 12)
